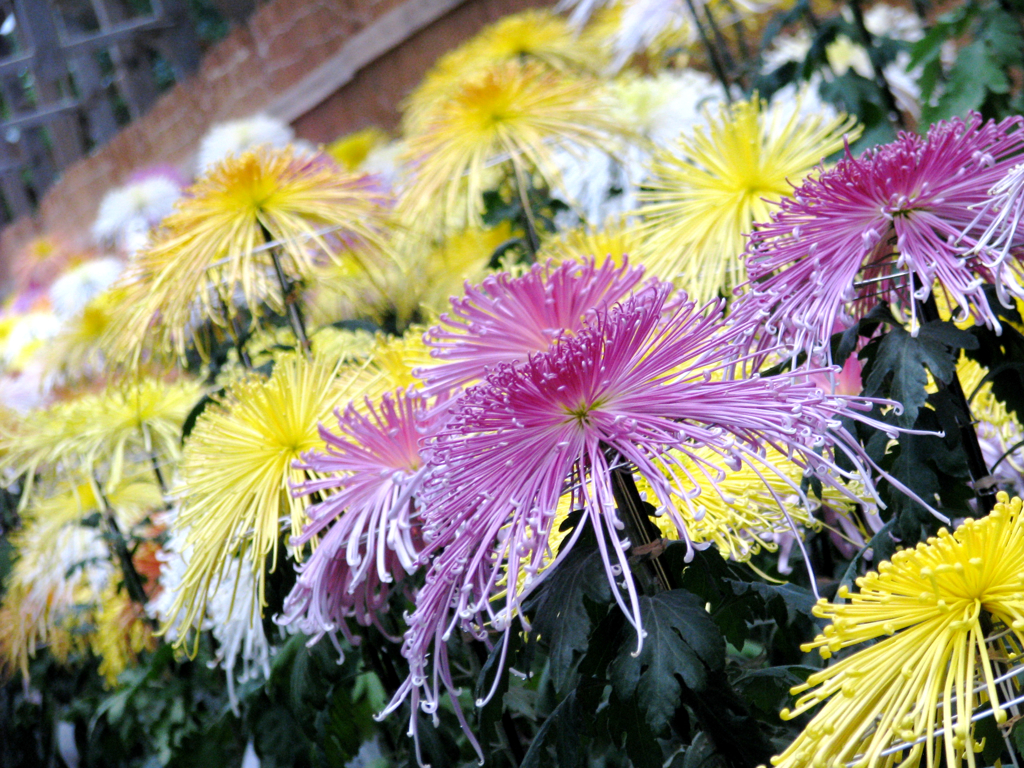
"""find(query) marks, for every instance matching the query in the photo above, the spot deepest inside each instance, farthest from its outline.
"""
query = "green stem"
(289, 296)
(132, 580)
(532, 238)
(876, 65)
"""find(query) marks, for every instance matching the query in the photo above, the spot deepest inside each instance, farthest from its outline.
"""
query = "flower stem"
(866, 40)
(653, 576)
(288, 295)
(532, 239)
(712, 52)
(132, 579)
(147, 444)
(234, 331)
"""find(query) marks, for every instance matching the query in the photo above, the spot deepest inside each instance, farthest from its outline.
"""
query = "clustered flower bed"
(653, 399)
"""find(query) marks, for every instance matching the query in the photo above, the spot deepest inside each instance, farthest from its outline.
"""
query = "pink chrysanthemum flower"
(636, 387)
(375, 470)
(892, 224)
(1002, 215)
(507, 318)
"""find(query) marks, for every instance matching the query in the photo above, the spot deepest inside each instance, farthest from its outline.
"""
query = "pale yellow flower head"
(508, 119)
(942, 615)
(237, 472)
(101, 434)
(539, 36)
(616, 239)
(706, 192)
(216, 246)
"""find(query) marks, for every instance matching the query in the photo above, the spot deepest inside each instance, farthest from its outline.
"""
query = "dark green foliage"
(896, 363)
(682, 647)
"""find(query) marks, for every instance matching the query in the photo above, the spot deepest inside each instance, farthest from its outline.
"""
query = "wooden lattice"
(73, 71)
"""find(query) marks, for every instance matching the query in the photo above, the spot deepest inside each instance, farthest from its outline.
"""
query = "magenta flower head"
(893, 224)
(507, 318)
(371, 518)
(639, 388)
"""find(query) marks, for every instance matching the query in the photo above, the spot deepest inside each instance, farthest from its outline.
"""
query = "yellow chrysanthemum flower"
(510, 116)
(76, 351)
(536, 35)
(708, 190)
(237, 472)
(614, 240)
(741, 510)
(351, 150)
(945, 615)
(121, 633)
(60, 565)
(215, 244)
(431, 274)
(97, 433)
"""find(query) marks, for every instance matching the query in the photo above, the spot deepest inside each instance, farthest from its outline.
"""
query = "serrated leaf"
(767, 689)
(701, 754)
(561, 619)
(628, 719)
(682, 646)
(567, 728)
(896, 364)
(341, 727)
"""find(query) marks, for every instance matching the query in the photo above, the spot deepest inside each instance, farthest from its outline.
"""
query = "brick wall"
(254, 67)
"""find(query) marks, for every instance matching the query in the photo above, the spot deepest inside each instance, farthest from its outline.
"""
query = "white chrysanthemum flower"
(25, 335)
(383, 161)
(600, 185)
(804, 100)
(232, 138)
(661, 107)
(893, 22)
(844, 54)
(25, 390)
(81, 284)
(232, 616)
(128, 213)
(238, 628)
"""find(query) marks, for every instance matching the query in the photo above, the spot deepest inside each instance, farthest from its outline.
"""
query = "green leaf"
(341, 727)
(574, 598)
(1017, 736)
(768, 689)
(567, 728)
(627, 717)
(701, 754)
(896, 364)
(682, 647)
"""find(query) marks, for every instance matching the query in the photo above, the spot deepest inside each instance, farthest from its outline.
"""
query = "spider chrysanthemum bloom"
(741, 513)
(889, 225)
(214, 245)
(373, 470)
(705, 193)
(237, 472)
(505, 319)
(101, 433)
(510, 116)
(1002, 214)
(625, 391)
(535, 35)
(615, 240)
(931, 611)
